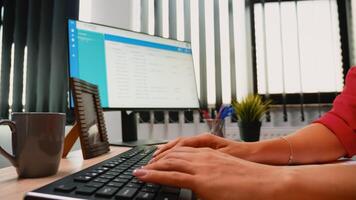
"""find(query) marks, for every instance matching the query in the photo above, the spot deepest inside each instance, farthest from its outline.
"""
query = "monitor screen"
(133, 70)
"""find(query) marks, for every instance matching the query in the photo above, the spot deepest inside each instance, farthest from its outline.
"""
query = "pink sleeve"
(341, 119)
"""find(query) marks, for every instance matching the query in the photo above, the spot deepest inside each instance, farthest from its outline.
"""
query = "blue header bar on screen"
(73, 48)
(121, 39)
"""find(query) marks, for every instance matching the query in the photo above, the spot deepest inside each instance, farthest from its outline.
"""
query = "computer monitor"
(134, 71)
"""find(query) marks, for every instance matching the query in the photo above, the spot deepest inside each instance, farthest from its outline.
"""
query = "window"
(298, 49)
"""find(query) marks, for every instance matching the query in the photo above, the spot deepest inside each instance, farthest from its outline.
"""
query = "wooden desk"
(13, 188)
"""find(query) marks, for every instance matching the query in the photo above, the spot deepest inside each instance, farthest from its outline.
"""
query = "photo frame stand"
(70, 139)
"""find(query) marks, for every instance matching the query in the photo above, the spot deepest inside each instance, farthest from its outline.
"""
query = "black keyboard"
(111, 179)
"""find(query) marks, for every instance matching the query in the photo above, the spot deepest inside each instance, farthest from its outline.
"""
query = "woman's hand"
(213, 175)
(233, 148)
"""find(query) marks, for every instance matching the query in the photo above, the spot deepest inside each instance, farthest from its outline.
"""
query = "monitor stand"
(129, 132)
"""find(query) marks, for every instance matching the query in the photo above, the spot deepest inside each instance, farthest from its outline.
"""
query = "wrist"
(244, 150)
(282, 184)
(250, 151)
(274, 152)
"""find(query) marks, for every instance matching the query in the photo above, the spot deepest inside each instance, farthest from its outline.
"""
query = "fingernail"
(155, 153)
(139, 172)
(151, 161)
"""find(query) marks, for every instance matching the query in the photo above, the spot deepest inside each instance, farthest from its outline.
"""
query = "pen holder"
(216, 126)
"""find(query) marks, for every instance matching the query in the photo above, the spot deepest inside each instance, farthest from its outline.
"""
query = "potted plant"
(249, 112)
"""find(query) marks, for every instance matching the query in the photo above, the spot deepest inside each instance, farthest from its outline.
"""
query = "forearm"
(312, 144)
(330, 181)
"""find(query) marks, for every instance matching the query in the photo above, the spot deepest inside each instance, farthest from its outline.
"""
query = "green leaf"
(250, 109)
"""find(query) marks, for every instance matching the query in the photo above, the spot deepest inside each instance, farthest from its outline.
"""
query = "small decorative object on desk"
(90, 124)
(249, 112)
(217, 125)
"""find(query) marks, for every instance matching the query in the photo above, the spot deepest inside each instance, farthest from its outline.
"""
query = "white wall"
(115, 13)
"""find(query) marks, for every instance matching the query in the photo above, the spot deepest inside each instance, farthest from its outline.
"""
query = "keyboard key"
(166, 197)
(106, 191)
(137, 181)
(144, 196)
(91, 174)
(130, 154)
(116, 170)
(125, 176)
(116, 184)
(94, 184)
(151, 185)
(149, 150)
(109, 165)
(99, 171)
(137, 166)
(120, 169)
(126, 193)
(107, 176)
(101, 180)
(124, 167)
(112, 173)
(127, 173)
(65, 187)
(133, 185)
(103, 168)
(115, 163)
(148, 189)
(86, 190)
(121, 180)
(172, 190)
(82, 178)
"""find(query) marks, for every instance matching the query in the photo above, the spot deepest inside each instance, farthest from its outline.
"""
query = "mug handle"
(12, 126)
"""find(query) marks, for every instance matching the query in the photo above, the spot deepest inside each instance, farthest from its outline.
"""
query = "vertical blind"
(302, 50)
(295, 41)
(211, 27)
(34, 55)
